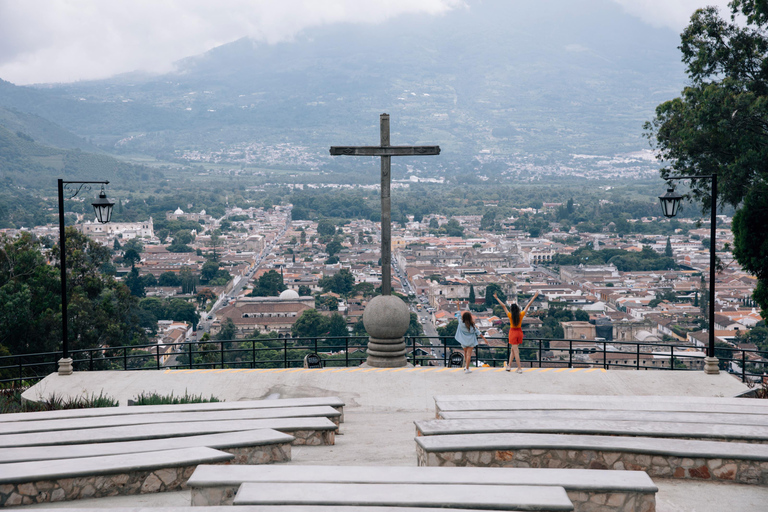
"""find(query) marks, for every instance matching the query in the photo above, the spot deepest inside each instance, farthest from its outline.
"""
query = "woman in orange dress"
(515, 330)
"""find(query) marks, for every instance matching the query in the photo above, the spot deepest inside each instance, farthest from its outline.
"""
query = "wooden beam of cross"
(386, 152)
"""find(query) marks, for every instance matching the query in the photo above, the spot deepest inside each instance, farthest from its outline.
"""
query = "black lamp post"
(670, 202)
(102, 206)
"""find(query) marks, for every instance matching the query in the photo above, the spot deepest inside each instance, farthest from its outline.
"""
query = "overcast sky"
(67, 40)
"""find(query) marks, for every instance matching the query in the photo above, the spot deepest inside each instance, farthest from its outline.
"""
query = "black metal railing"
(346, 351)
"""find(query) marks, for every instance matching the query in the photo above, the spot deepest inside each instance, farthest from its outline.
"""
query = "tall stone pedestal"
(386, 319)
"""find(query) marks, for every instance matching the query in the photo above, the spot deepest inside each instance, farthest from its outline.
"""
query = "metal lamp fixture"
(103, 207)
(670, 202)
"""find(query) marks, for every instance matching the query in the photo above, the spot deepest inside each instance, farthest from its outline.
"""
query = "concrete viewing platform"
(383, 404)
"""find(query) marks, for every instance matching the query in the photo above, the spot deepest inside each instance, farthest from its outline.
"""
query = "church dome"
(178, 211)
(288, 295)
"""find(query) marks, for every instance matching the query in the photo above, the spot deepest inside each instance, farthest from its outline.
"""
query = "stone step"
(313, 431)
(257, 444)
(659, 457)
(721, 432)
(488, 497)
(581, 405)
(330, 401)
(656, 416)
(216, 485)
(24, 483)
(168, 417)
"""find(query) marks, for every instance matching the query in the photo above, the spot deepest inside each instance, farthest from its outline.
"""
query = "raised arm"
(530, 302)
(499, 301)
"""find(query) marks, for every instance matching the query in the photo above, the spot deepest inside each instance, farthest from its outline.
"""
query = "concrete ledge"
(587, 402)
(312, 431)
(620, 415)
(255, 442)
(330, 401)
(627, 490)
(564, 425)
(490, 497)
(26, 483)
(19, 427)
(668, 458)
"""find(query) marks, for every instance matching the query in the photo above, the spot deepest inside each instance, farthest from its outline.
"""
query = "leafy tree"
(188, 281)
(131, 256)
(304, 291)
(209, 270)
(310, 324)
(135, 244)
(433, 223)
(270, 284)
(453, 228)
(471, 294)
(134, 283)
(337, 326)
(718, 124)
(414, 326)
(341, 282)
(326, 228)
(169, 279)
(487, 221)
(489, 291)
(668, 249)
(214, 242)
(228, 331)
(204, 296)
(333, 247)
(581, 315)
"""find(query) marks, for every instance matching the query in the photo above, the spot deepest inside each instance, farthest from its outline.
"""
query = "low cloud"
(69, 40)
(674, 14)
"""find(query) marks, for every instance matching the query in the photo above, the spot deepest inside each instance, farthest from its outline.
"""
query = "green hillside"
(29, 170)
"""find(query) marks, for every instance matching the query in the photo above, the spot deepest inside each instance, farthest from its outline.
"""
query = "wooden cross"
(386, 152)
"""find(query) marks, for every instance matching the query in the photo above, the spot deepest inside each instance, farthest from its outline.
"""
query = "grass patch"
(158, 399)
(10, 402)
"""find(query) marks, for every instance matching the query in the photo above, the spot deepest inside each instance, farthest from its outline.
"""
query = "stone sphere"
(386, 317)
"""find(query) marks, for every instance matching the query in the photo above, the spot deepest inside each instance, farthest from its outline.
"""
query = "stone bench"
(249, 447)
(306, 431)
(25, 483)
(488, 497)
(659, 457)
(565, 425)
(620, 415)
(588, 402)
(625, 491)
(18, 427)
(330, 401)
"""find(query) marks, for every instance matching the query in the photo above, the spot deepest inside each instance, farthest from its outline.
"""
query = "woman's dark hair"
(514, 309)
(466, 317)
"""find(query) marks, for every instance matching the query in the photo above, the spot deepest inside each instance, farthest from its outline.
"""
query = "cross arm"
(385, 150)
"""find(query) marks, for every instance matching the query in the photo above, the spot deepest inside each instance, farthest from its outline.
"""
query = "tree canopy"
(719, 124)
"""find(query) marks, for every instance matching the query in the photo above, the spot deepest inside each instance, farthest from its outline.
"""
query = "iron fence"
(348, 351)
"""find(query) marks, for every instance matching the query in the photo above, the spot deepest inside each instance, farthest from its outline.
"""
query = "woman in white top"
(466, 335)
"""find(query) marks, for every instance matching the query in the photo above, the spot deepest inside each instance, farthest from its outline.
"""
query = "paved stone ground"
(383, 404)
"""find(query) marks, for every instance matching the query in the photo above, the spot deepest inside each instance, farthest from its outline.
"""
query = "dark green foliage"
(310, 324)
(625, 261)
(717, 125)
(135, 283)
(11, 402)
(341, 282)
(169, 279)
(337, 326)
(471, 294)
(170, 309)
(154, 398)
(414, 326)
(489, 291)
(102, 311)
(270, 284)
(581, 315)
